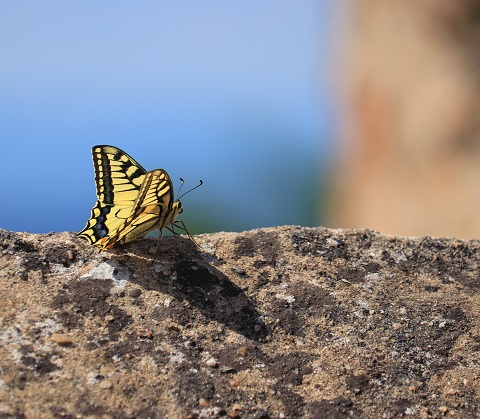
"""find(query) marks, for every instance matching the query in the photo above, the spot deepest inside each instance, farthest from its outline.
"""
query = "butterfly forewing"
(118, 178)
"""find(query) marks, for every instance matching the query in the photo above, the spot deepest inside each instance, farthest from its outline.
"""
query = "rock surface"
(280, 322)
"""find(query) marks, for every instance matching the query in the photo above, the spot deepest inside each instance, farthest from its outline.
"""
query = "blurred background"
(307, 112)
(408, 157)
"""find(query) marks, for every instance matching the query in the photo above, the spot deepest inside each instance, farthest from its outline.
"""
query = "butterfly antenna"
(180, 187)
(190, 190)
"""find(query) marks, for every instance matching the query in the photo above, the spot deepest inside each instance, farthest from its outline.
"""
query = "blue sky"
(232, 92)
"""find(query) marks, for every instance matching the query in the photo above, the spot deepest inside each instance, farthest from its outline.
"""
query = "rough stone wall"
(280, 322)
(409, 152)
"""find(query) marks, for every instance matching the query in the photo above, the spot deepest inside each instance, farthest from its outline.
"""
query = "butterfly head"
(177, 207)
(175, 210)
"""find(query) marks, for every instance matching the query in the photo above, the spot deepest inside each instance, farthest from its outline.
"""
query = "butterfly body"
(131, 201)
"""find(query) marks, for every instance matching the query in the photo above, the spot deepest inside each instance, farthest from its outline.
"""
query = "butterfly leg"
(158, 241)
(181, 226)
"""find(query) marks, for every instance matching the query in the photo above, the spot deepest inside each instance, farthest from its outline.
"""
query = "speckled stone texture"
(279, 322)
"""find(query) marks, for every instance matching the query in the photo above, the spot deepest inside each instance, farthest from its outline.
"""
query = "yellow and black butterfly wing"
(118, 179)
(154, 208)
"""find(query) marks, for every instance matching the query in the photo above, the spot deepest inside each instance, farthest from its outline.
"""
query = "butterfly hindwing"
(104, 221)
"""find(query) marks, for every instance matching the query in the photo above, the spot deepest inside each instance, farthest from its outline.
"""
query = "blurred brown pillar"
(409, 149)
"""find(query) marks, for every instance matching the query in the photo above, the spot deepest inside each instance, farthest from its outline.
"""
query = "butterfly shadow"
(180, 269)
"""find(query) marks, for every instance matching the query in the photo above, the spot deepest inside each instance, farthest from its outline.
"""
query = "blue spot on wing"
(100, 228)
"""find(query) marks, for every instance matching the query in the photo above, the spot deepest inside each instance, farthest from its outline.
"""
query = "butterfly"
(131, 201)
